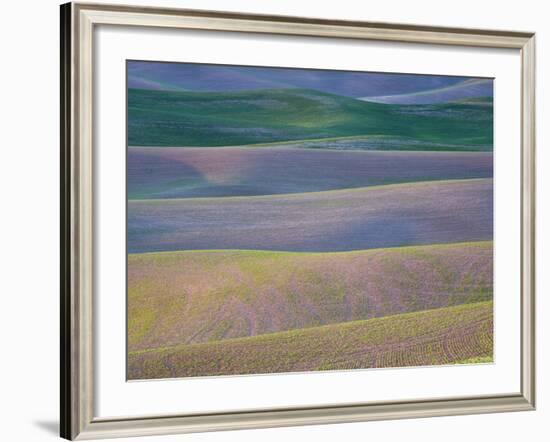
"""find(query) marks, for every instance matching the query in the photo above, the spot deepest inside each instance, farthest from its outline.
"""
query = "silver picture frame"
(78, 21)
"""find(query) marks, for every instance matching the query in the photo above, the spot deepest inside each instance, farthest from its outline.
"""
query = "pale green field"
(199, 296)
(459, 334)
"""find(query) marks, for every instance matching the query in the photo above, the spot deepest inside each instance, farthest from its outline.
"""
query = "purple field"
(355, 219)
(241, 171)
(200, 296)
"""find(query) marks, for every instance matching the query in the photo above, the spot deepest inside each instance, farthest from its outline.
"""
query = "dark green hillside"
(482, 101)
(167, 118)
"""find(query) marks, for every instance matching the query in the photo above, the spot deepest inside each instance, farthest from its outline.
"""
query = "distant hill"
(226, 78)
(480, 101)
(460, 91)
(172, 118)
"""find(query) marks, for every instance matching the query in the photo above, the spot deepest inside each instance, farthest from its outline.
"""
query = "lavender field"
(364, 218)
(283, 220)
(166, 173)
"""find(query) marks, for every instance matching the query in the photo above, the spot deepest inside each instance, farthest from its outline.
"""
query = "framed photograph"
(272, 221)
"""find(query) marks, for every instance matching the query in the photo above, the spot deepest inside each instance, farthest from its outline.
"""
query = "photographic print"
(291, 220)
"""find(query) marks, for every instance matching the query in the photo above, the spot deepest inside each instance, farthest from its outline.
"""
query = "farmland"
(174, 118)
(480, 87)
(288, 219)
(440, 336)
(228, 294)
(289, 168)
(338, 220)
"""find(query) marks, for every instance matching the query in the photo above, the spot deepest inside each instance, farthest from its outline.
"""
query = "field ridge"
(456, 334)
(287, 252)
(320, 193)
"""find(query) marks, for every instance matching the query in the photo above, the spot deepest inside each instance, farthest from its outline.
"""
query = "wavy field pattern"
(288, 220)
(474, 88)
(228, 294)
(364, 218)
(451, 335)
(155, 173)
(167, 118)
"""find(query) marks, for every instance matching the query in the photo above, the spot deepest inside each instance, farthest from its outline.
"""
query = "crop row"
(434, 337)
(199, 296)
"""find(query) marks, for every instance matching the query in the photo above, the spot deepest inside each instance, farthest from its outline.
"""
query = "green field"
(459, 334)
(169, 118)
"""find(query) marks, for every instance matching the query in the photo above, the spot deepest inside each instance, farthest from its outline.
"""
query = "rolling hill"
(270, 170)
(184, 119)
(214, 77)
(199, 296)
(459, 334)
(477, 87)
(336, 220)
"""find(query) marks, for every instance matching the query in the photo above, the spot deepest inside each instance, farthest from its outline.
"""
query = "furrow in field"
(198, 296)
(413, 339)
